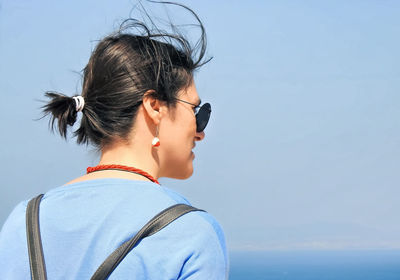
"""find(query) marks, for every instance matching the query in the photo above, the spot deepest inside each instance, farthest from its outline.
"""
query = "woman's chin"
(179, 170)
(184, 173)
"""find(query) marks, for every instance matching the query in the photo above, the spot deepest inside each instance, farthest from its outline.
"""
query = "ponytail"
(63, 108)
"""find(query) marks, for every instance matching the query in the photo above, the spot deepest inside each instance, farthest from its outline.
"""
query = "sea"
(315, 265)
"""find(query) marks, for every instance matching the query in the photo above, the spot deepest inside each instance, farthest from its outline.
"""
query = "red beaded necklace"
(122, 168)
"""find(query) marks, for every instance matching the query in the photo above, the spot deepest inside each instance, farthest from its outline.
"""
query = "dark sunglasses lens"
(203, 116)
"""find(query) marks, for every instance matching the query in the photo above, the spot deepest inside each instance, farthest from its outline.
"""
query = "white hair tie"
(79, 103)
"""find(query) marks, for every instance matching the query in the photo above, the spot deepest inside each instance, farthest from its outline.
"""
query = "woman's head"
(121, 70)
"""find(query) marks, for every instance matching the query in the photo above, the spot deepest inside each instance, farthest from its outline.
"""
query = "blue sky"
(303, 147)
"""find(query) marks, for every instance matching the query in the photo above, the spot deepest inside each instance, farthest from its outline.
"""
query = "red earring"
(156, 141)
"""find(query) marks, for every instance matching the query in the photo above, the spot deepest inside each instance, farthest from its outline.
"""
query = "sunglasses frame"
(206, 108)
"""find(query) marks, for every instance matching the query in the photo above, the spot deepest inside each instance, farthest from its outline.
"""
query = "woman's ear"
(152, 107)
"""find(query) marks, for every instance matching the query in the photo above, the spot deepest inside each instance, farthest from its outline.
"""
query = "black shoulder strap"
(157, 223)
(36, 260)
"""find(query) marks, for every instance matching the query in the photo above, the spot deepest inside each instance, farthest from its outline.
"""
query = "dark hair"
(121, 69)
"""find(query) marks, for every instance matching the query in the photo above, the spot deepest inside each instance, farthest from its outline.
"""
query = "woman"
(139, 107)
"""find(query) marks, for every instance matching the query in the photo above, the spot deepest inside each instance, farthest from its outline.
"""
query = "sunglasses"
(202, 114)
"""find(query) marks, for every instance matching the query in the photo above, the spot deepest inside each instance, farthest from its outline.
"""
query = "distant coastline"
(316, 265)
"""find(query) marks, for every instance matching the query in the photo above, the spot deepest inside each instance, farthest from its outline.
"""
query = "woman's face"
(177, 134)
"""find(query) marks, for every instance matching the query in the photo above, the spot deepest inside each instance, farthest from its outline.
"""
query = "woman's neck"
(130, 156)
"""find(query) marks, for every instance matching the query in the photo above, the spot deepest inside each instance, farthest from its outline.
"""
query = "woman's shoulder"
(16, 219)
(199, 218)
(174, 195)
(13, 239)
(205, 226)
(200, 239)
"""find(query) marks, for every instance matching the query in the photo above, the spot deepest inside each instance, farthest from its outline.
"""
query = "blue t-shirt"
(82, 223)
